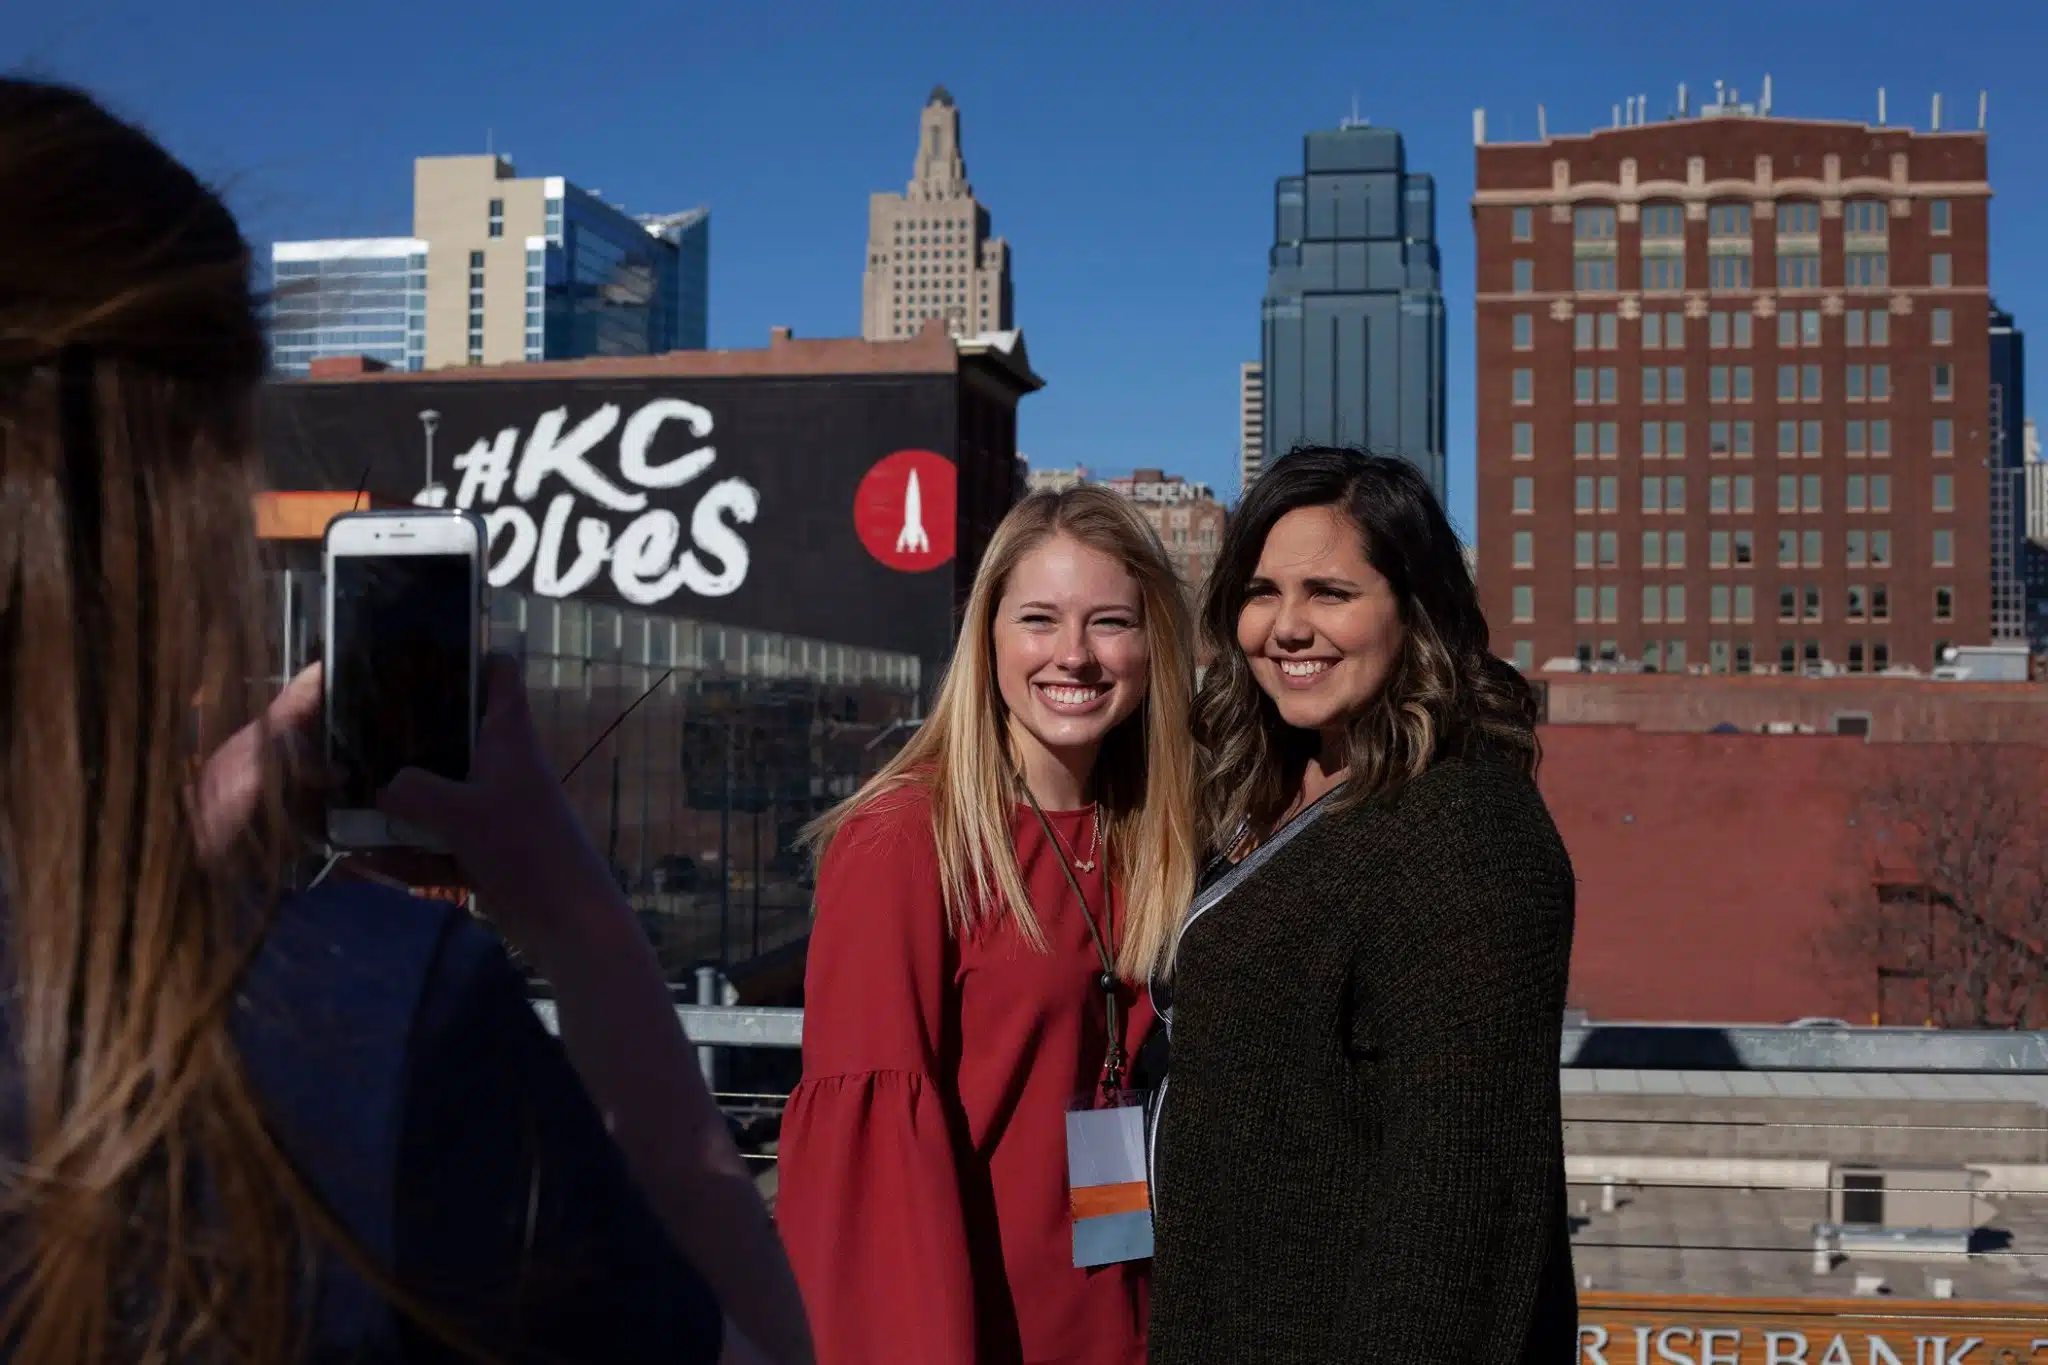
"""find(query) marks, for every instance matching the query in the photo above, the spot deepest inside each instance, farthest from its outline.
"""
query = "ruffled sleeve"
(869, 1198)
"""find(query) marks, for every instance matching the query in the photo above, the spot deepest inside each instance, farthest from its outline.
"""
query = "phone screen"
(404, 649)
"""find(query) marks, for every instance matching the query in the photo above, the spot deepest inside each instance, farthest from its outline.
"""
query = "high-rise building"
(507, 269)
(1352, 343)
(1251, 423)
(930, 254)
(2008, 477)
(1733, 390)
(1185, 515)
(361, 296)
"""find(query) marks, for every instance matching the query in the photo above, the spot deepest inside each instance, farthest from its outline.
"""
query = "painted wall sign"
(1628, 1329)
(905, 513)
(808, 506)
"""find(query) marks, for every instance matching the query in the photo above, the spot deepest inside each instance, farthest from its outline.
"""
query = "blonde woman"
(988, 909)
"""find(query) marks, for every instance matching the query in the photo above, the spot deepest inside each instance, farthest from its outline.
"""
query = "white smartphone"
(404, 654)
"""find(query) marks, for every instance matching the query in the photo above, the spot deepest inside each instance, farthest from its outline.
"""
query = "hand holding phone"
(404, 623)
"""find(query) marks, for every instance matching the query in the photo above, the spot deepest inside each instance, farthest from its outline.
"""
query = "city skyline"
(1143, 214)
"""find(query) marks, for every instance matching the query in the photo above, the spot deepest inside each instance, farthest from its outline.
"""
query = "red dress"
(923, 1189)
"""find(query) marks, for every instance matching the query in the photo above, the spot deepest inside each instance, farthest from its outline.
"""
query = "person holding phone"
(1359, 1151)
(988, 906)
(240, 1124)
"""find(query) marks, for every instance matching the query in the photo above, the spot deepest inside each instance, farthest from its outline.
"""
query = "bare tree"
(1948, 901)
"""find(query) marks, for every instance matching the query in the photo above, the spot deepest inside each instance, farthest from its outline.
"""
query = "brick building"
(1713, 869)
(1187, 517)
(1882, 710)
(1732, 393)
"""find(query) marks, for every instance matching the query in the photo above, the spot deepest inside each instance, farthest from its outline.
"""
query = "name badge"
(1112, 1202)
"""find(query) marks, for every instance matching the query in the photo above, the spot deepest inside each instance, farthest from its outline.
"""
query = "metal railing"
(1713, 1169)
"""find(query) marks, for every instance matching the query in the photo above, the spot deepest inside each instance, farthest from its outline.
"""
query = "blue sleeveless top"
(391, 1043)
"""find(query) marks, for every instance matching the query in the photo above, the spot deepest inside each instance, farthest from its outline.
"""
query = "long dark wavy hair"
(1446, 693)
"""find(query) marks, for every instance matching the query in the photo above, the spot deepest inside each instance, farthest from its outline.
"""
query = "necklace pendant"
(1088, 866)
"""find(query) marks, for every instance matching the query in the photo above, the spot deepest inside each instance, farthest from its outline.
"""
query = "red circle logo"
(903, 511)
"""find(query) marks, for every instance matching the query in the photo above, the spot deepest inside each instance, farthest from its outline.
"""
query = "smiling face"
(1071, 659)
(1320, 627)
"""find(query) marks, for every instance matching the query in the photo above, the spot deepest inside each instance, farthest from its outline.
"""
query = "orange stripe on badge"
(1100, 1201)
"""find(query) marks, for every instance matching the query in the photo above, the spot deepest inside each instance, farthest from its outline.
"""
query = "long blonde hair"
(1145, 774)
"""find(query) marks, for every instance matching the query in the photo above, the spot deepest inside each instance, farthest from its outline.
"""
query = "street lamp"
(432, 495)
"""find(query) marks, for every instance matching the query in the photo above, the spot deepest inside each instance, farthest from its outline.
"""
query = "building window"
(1853, 493)
(1582, 384)
(497, 218)
(1809, 439)
(1809, 383)
(1788, 439)
(1728, 220)
(1853, 438)
(1609, 386)
(1653, 384)
(1788, 549)
(1582, 550)
(1610, 493)
(1593, 223)
(1525, 602)
(1858, 605)
(1525, 549)
(1944, 493)
(1610, 608)
(1525, 332)
(1653, 602)
(1944, 437)
(1944, 549)
(1525, 276)
(1788, 492)
(1864, 270)
(1853, 550)
(1582, 493)
(1664, 220)
(1880, 328)
(1674, 437)
(1593, 275)
(1663, 273)
(1582, 440)
(1525, 494)
(1525, 386)
(1717, 383)
(1582, 602)
(1610, 331)
(1653, 494)
(1788, 605)
(1798, 218)
(1938, 217)
(1674, 491)
(1940, 325)
(1745, 384)
(1610, 549)
(1798, 269)
(1525, 655)
(1809, 485)
(1674, 549)
(1523, 440)
(1717, 493)
(1744, 431)
(1944, 383)
(1880, 549)
(1728, 271)
(1582, 332)
(1944, 604)
(1940, 270)
(1880, 383)
(1810, 549)
(1864, 217)
(1524, 226)
(1788, 383)
(1610, 440)
(1880, 437)
(1745, 501)
(1653, 550)
(1880, 603)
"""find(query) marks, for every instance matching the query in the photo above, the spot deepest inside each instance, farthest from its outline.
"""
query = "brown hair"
(152, 1215)
(1145, 772)
(1447, 693)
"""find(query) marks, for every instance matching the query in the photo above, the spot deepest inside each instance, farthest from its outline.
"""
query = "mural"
(816, 507)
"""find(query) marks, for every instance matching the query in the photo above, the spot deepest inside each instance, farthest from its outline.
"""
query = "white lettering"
(1595, 1350)
(1710, 1356)
(1664, 1340)
(650, 560)
(485, 466)
(734, 497)
(1775, 1352)
(548, 451)
(1881, 1352)
(1837, 1353)
(1642, 1346)
(519, 553)
(593, 543)
(639, 435)
(1942, 1355)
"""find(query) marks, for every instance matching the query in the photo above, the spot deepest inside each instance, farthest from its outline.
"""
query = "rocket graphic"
(912, 539)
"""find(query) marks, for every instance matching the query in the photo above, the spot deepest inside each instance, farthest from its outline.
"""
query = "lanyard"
(1113, 1058)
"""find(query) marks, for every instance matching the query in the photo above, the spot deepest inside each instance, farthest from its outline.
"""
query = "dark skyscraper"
(1353, 320)
(2008, 478)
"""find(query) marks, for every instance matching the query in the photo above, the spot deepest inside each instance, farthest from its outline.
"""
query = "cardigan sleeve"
(869, 1200)
(1462, 1025)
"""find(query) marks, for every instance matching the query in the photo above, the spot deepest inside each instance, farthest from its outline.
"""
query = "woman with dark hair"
(238, 1126)
(1358, 1152)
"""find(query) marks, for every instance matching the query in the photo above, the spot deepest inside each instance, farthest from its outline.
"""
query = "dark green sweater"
(1360, 1152)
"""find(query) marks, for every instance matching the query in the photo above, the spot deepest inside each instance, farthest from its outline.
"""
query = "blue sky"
(1127, 151)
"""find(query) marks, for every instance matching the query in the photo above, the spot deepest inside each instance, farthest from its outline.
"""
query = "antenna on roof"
(1682, 106)
(1983, 107)
(1542, 126)
(1937, 112)
(1880, 106)
(1764, 105)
